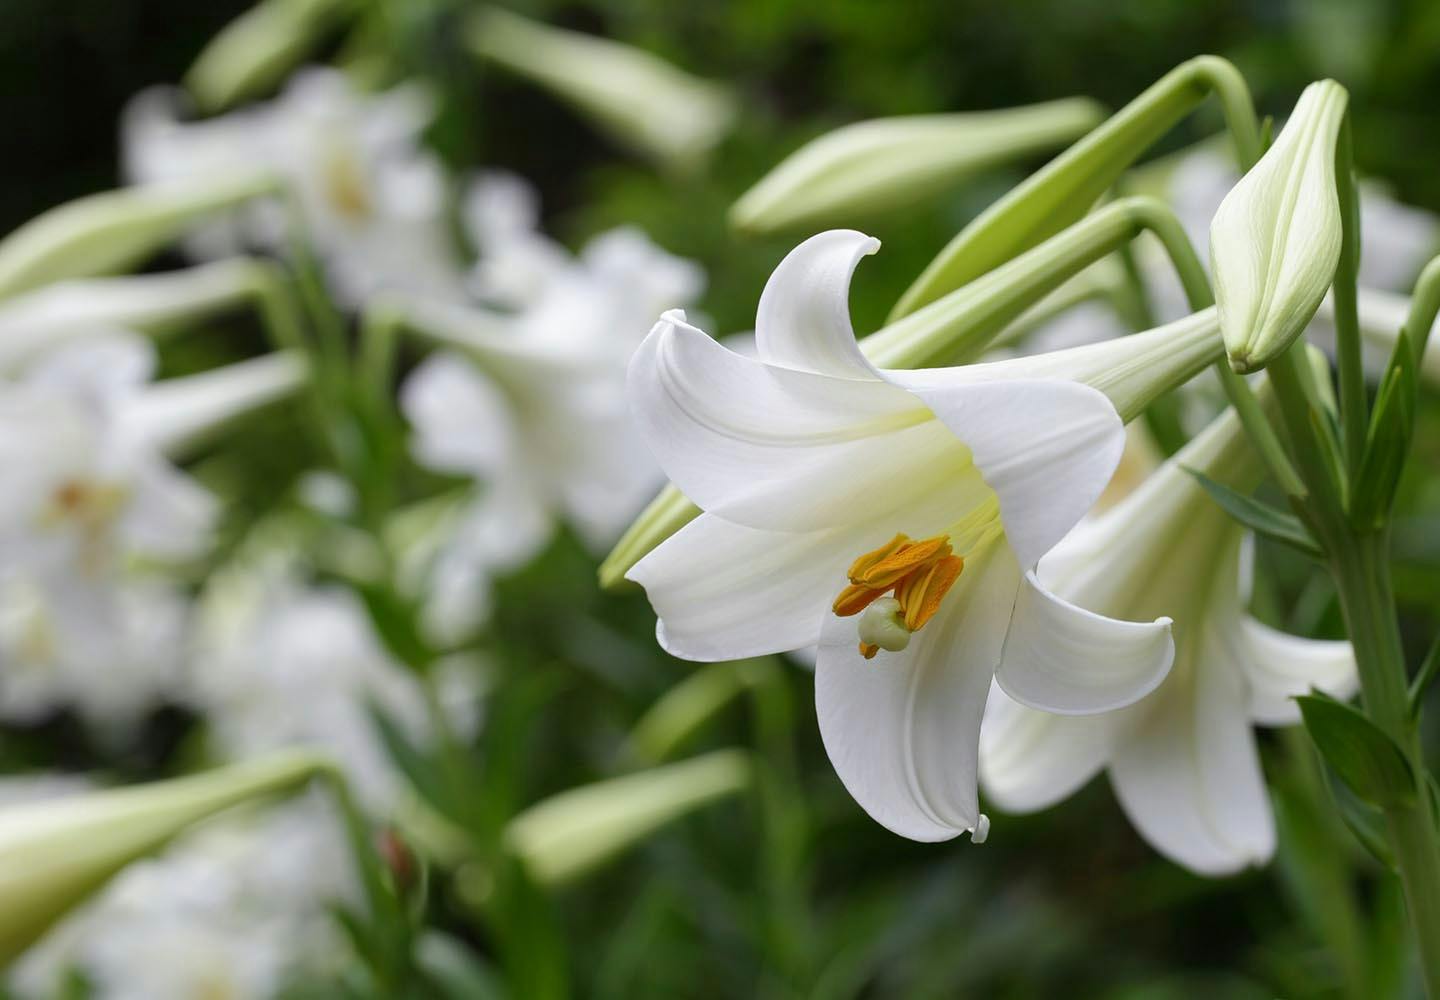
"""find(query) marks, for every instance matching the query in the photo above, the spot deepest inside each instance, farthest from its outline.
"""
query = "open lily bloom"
(370, 196)
(89, 495)
(531, 405)
(1183, 760)
(890, 516)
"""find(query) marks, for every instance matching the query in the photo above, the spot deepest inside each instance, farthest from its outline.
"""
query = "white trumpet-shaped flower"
(892, 517)
(531, 406)
(1183, 760)
(369, 195)
(88, 495)
(94, 511)
(1275, 240)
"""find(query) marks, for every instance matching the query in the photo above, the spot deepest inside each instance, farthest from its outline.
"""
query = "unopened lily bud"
(888, 163)
(177, 413)
(110, 232)
(257, 49)
(39, 321)
(571, 833)
(1275, 240)
(641, 100)
(55, 853)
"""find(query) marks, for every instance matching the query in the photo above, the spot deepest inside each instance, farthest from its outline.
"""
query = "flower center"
(345, 186)
(916, 575)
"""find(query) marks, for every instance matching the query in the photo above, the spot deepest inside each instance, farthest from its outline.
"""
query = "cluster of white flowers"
(106, 540)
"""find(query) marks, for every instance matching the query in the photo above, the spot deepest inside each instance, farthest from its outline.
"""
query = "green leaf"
(1366, 822)
(1261, 518)
(1387, 443)
(1429, 667)
(1365, 758)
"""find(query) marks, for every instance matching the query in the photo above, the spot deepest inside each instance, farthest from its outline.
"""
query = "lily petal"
(781, 449)
(1046, 447)
(903, 730)
(1188, 775)
(803, 321)
(1280, 666)
(462, 421)
(1030, 760)
(723, 591)
(1063, 659)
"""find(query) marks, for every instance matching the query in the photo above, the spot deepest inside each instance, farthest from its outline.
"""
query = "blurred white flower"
(369, 194)
(278, 663)
(532, 406)
(89, 496)
(938, 489)
(1183, 760)
(237, 910)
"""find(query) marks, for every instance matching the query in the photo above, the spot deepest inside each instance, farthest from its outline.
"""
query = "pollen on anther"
(920, 594)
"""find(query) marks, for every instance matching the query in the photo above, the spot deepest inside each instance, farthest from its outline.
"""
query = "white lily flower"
(1183, 760)
(370, 196)
(893, 517)
(641, 100)
(1275, 240)
(532, 407)
(516, 262)
(89, 495)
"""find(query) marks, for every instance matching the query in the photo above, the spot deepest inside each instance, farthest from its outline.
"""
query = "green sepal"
(1364, 758)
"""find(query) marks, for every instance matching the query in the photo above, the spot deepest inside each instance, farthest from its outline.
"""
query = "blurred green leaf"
(1365, 758)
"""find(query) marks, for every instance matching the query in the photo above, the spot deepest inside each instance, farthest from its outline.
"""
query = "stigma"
(896, 589)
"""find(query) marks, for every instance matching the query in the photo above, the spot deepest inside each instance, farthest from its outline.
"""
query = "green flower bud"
(641, 100)
(875, 166)
(1275, 240)
(54, 854)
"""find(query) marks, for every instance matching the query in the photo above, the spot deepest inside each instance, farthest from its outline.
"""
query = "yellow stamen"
(920, 593)
(862, 565)
(903, 561)
(919, 574)
(855, 599)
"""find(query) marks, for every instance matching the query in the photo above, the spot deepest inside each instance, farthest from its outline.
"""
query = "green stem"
(1359, 564)
(1354, 420)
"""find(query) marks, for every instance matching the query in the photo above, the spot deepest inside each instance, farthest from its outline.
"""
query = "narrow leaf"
(1366, 822)
(1429, 667)
(1261, 518)
(1388, 441)
(1365, 758)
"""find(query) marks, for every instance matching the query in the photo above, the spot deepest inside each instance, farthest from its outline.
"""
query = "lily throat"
(897, 588)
